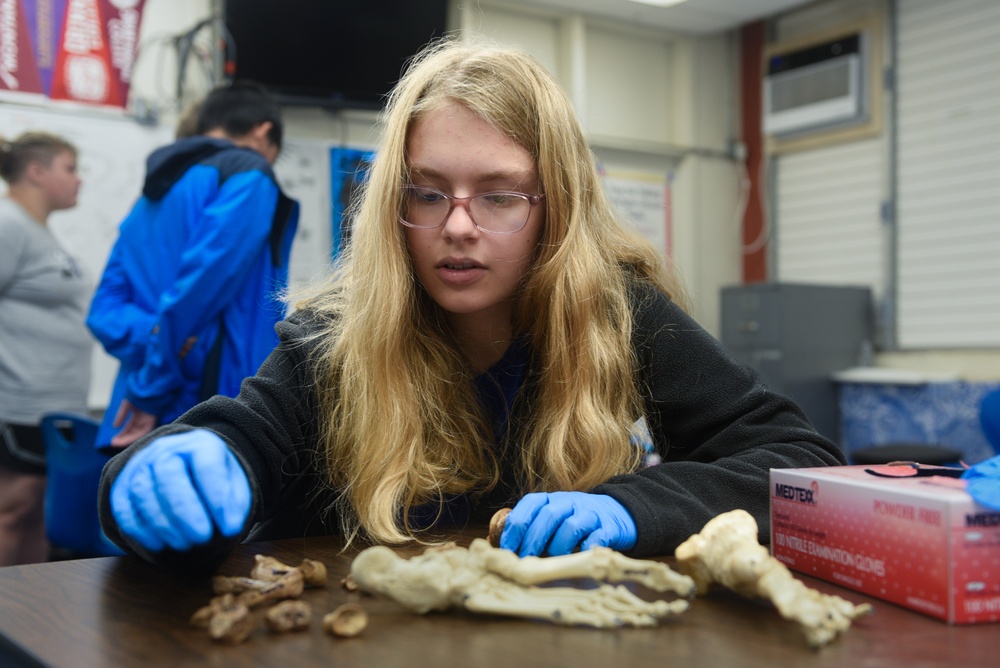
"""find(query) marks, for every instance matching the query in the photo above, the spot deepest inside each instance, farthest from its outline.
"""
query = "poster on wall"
(303, 170)
(643, 199)
(74, 50)
(348, 168)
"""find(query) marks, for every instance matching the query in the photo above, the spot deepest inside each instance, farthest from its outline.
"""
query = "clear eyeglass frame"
(467, 202)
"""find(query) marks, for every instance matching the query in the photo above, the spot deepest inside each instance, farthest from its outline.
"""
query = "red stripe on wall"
(751, 80)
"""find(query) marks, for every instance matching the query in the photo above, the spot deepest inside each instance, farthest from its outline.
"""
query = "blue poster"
(348, 169)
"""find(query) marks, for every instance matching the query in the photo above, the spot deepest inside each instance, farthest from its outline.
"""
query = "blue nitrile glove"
(178, 489)
(982, 482)
(562, 520)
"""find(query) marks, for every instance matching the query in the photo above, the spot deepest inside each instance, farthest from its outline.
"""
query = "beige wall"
(648, 99)
(651, 101)
(817, 17)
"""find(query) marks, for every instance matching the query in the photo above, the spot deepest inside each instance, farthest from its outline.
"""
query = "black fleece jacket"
(716, 427)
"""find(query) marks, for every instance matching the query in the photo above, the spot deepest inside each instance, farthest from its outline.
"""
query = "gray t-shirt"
(45, 348)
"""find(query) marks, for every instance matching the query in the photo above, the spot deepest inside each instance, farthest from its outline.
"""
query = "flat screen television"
(330, 53)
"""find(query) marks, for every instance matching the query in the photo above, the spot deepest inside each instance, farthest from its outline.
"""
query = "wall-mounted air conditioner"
(816, 87)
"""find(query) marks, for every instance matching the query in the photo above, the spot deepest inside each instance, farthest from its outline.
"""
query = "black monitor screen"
(340, 53)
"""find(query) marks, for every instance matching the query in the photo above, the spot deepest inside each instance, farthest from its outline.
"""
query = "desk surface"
(119, 611)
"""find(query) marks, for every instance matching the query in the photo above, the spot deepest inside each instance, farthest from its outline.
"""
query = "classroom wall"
(683, 127)
(674, 140)
(835, 190)
(680, 125)
(680, 132)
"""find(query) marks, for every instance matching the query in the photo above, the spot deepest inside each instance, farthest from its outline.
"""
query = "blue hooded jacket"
(191, 291)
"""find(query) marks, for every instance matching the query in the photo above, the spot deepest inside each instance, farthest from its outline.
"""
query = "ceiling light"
(660, 3)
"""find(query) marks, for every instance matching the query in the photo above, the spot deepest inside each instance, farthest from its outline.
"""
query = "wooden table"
(121, 612)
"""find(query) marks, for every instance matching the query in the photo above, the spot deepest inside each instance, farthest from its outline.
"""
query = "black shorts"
(22, 448)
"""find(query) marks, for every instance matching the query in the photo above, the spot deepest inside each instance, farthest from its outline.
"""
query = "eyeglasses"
(498, 212)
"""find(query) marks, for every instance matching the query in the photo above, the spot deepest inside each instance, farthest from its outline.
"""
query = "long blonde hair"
(399, 422)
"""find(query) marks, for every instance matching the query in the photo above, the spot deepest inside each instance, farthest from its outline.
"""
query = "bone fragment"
(223, 584)
(227, 619)
(203, 615)
(270, 569)
(289, 585)
(496, 526)
(291, 615)
(727, 552)
(313, 572)
(347, 620)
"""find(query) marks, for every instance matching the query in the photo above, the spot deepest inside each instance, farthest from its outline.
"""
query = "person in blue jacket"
(192, 288)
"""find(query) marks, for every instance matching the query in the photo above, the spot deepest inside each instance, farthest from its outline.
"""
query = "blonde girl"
(490, 338)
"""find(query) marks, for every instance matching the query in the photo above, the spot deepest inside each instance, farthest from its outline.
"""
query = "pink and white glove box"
(919, 542)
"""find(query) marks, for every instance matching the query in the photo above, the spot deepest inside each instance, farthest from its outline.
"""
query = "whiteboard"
(303, 170)
(112, 163)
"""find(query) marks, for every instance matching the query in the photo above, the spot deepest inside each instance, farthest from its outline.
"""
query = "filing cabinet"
(796, 336)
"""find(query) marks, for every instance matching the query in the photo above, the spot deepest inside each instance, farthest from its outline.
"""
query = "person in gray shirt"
(45, 349)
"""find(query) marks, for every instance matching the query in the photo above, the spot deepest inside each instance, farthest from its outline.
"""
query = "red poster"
(18, 69)
(45, 20)
(120, 20)
(83, 67)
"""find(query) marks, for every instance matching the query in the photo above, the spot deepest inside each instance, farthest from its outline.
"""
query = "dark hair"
(15, 156)
(238, 108)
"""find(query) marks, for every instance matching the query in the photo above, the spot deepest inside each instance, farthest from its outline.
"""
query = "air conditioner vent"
(815, 88)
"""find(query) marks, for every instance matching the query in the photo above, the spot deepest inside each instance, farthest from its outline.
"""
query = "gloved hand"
(982, 482)
(177, 490)
(562, 520)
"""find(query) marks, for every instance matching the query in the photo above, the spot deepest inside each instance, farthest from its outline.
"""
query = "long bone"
(599, 563)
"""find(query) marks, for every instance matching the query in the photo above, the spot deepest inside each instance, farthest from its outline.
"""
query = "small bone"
(496, 526)
(226, 618)
(222, 584)
(289, 616)
(203, 615)
(313, 572)
(347, 620)
(289, 585)
(270, 569)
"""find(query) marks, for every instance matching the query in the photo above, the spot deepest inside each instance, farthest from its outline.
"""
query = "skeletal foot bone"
(488, 580)
(605, 607)
(726, 552)
(599, 563)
